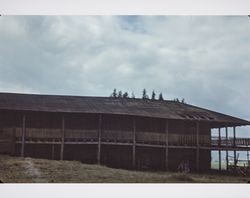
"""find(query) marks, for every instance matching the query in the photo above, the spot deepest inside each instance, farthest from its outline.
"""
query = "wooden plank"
(166, 149)
(118, 143)
(224, 148)
(197, 146)
(150, 145)
(23, 135)
(227, 148)
(63, 136)
(99, 139)
(134, 142)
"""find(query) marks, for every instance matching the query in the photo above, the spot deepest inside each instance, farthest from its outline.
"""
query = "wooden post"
(248, 162)
(53, 152)
(63, 136)
(99, 139)
(226, 148)
(23, 135)
(234, 142)
(219, 149)
(166, 139)
(197, 146)
(134, 142)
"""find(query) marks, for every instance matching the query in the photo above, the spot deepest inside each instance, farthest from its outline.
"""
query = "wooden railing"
(36, 133)
(123, 136)
(7, 141)
(56, 134)
(82, 135)
(149, 137)
(117, 136)
(230, 141)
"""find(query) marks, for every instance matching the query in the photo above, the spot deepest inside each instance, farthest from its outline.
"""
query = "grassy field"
(29, 170)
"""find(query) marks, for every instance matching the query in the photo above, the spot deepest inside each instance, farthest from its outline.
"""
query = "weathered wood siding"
(7, 144)
(117, 136)
(45, 129)
(81, 134)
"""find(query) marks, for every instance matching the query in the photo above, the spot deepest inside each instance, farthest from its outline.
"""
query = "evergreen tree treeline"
(145, 96)
(178, 100)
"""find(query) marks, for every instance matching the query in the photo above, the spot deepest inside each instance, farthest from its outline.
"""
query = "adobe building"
(124, 133)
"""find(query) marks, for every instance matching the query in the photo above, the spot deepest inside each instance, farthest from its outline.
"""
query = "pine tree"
(144, 94)
(153, 95)
(125, 95)
(133, 95)
(176, 100)
(183, 100)
(161, 96)
(114, 94)
(120, 94)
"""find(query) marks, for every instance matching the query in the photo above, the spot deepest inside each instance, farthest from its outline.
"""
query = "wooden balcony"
(230, 142)
(79, 136)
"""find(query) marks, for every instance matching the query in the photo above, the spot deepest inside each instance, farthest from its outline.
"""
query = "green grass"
(29, 170)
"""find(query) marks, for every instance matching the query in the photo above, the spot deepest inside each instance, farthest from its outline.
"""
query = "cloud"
(202, 59)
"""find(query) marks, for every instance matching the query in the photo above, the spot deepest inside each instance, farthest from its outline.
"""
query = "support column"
(63, 136)
(99, 139)
(219, 149)
(197, 146)
(53, 152)
(234, 142)
(134, 142)
(23, 134)
(248, 161)
(226, 148)
(166, 139)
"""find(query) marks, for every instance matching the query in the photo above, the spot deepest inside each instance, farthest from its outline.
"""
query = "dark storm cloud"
(202, 59)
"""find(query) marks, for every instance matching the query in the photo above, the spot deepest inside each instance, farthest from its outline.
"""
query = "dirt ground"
(30, 170)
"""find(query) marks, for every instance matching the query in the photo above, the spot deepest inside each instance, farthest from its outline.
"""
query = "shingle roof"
(107, 105)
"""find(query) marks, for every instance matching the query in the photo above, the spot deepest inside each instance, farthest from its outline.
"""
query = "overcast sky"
(205, 60)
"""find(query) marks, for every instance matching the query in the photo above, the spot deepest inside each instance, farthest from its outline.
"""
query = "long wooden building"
(124, 133)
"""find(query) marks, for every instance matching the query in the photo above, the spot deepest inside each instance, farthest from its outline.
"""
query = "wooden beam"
(134, 143)
(248, 161)
(23, 134)
(99, 139)
(227, 148)
(234, 136)
(166, 149)
(53, 152)
(63, 137)
(197, 146)
(219, 149)
(234, 142)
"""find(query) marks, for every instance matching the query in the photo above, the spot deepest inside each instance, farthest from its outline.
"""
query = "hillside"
(29, 170)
